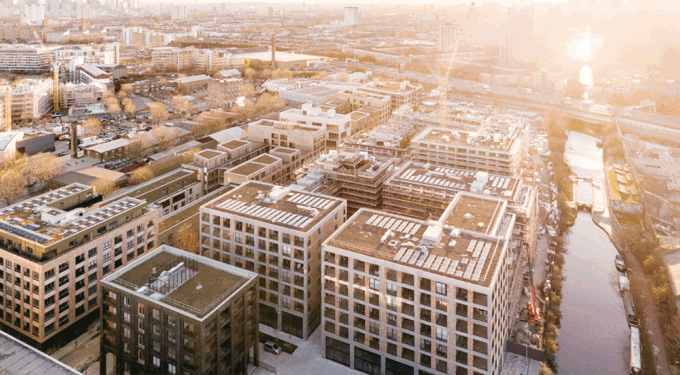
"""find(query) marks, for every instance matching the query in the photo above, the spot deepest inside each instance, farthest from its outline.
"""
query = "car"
(624, 284)
(272, 347)
(620, 265)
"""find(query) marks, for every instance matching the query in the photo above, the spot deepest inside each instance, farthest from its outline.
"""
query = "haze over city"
(385, 187)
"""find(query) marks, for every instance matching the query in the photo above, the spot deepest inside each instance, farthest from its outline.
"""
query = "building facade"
(277, 233)
(174, 312)
(55, 253)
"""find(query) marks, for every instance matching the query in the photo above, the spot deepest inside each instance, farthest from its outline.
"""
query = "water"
(594, 334)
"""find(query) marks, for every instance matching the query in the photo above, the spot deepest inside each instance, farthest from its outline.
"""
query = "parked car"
(272, 347)
(620, 265)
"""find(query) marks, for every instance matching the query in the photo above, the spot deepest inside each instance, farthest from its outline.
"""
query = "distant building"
(174, 312)
(32, 99)
(351, 16)
(517, 38)
(446, 39)
(178, 12)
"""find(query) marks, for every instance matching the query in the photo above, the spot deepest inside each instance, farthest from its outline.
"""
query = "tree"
(180, 103)
(104, 186)
(545, 370)
(129, 107)
(158, 112)
(92, 127)
(188, 156)
(247, 90)
(282, 73)
(249, 73)
(187, 238)
(12, 184)
(136, 150)
(141, 175)
(269, 101)
(575, 89)
(43, 167)
(113, 105)
(162, 136)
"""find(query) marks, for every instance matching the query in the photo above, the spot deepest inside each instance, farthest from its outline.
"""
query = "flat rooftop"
(454, 253)
(276, 205)
(622, 187)
(452, 180)
(17, 357)
(40, 220)
(187, 282)
(254, 166)
(209, 154)
(155, 183)
(231, 145)
(475, 213)
(488, 136)
(280, 56)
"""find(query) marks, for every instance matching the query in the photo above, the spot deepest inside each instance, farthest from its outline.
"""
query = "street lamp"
(278, 323)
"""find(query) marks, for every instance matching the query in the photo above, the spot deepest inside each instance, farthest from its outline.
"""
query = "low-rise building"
(276, 232)
(337, 127)
(310, 140)
(81, 94)
(175, 312)
(622, 190)
(402, 93)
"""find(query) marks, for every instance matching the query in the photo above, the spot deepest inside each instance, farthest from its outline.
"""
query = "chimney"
(74, 140)
(273, 51)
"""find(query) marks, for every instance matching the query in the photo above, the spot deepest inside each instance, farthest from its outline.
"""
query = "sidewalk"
(67, 349)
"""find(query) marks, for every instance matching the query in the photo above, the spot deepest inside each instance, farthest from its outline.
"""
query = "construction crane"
(444, 78)
(55, 65)
(532, 309)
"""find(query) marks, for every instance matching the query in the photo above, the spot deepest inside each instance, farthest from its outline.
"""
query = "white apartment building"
(31, 58)
(337, 127)
(408, 296)
(276, 232)
(174, 58)
(32, 99)
(495, 147)
(178, 12)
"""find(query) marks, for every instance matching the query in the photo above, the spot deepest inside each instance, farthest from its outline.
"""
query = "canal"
(594, 334)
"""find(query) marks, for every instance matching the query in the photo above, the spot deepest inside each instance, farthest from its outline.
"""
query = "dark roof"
(19, 358)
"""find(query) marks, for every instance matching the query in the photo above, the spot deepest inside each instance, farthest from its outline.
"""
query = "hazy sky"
(382, 2)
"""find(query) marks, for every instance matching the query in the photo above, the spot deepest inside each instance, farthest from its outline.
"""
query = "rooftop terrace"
(276, 205)
(191, 283)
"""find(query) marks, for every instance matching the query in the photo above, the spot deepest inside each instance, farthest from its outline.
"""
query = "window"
(172, 369)
(374, 284)
(441, 288)
(140, 309)
(92, 252)
(442, 335)
(156, 361)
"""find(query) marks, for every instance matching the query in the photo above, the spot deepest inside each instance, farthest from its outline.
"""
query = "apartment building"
(401, 93)
(276, 232)
(176, 59)
(171, 191)
(310, 140)
(32, 99)
(408, 296)
(494, 148)
(192, 83)
(81, 94)
(338, 127)
(211, 164)
(359, 100)
(23, 57)
(172, 58)
(225, 89)
(357, 178)
(174, 312)
(54, 250)
(265, 168)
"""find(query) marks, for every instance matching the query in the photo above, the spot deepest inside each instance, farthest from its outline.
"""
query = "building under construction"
(355, 177)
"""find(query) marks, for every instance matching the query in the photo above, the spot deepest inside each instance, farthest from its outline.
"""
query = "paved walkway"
(307, 359)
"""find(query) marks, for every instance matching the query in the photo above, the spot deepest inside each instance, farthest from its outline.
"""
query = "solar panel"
(297, 220)
(389, 223)
(400, 253)
(414, 257)
(314, 201)
(452, 267)
(328, 204)
(250, 209)
(371, 219)
(415, 229)
(408, 227)
(429, 261)
(304, 223)
(306, 200)
(437, 262)
(471, 246)
(421, 259)
(285, 217)
(278, 215)
(506, 183)
(383, 222)
(478, 249)
(407, 255)
(294, 198)
(469, 269)
(401, 226)
(445, 265)
(394, 226)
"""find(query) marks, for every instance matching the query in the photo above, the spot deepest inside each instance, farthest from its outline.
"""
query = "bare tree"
(163, 136)
(141, 175)
(92, 127)
(113, 105)
(135, 151)
(249, 73)
(268, 101)
(129, 107)
(188, 156)
(187, 238)
(158, 112)
(12, 184)
(247, 90)
(104, 186)
(43, 167)
(282, 73)
(180, 103)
